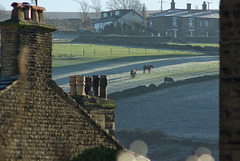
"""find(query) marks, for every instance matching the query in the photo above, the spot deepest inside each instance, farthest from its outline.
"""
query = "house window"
(105, 14)
(111, 13)
(200, 23)
(159, 34)
(190, 22)
(108, 23)
(97, 25)
(191, 33)
(174, 21)
(117, 13)
(150, 23)
(206, 23)
(175, 34)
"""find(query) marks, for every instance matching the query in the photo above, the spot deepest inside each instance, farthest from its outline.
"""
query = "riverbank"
(152, 87)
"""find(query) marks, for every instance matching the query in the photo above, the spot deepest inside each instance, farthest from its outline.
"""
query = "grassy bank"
(197, 44)
(72, 54)
(135, 91)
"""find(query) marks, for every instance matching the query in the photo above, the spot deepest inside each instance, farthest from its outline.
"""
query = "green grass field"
(72, 54)
(197, 44)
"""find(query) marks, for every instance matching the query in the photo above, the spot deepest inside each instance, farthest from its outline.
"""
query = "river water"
(173, 122)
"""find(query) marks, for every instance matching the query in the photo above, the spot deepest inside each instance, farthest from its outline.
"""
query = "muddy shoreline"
(144, 89)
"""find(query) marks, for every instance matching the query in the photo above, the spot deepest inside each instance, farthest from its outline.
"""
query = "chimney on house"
(24, 11)
(204, 6)
(189, 6)
(26, 45)
(172, 5)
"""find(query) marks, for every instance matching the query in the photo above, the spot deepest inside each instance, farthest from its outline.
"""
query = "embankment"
(144, 89)
(149, 42)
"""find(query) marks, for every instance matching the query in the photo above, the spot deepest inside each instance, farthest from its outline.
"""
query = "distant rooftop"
(189, 14)
(67, 15)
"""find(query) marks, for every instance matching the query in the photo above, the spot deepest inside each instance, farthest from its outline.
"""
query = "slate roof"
(66, 15)
(115, 17)
(188, 14)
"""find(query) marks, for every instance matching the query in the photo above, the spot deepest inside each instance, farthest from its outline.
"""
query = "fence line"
(75, 51)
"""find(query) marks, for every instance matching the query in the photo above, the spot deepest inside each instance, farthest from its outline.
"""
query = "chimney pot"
(88, 85)
(96, 84)
(172, 5)
(103, 86)
(73, 85)
(204, 6)
(189, 6)
(17, 12)
(81, 84)
(27, 10)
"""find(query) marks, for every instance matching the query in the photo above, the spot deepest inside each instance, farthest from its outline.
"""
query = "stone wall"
(104, 116)
(229, 80)
(9, 51)
(38, 120)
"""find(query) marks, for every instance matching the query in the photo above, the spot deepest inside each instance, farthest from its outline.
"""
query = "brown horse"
(147, 67)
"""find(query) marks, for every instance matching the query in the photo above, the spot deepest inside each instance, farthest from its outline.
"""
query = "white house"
(122, 16)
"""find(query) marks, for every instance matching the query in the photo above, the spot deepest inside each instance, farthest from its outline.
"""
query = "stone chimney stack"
(204, 6)
(189, 6)
(26, 44)
(172, 5)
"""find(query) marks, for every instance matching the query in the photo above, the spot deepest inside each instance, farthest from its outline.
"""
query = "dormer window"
(105, 14)
(117, 13)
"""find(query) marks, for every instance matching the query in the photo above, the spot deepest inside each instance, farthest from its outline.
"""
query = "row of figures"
(86, 85)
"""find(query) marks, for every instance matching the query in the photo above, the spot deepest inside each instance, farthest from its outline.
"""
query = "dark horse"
(147, 67)
(168, 80)
(133, 73)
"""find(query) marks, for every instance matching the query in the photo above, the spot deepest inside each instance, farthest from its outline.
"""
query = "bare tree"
(36, 2)
(97, 7)
(124, 4)
(84, 11)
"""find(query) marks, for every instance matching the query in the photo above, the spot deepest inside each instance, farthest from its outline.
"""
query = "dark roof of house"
(115, 17)
(188, 14)
(107, 19)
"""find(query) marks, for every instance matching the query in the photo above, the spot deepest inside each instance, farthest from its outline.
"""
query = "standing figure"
(133, 73)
